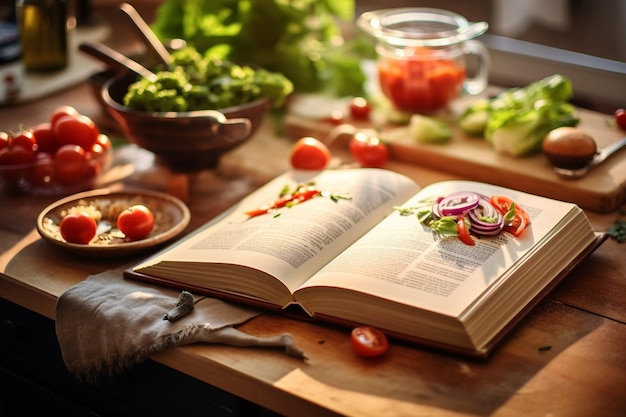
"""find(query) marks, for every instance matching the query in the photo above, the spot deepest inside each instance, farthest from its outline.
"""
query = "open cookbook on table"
(351, 257)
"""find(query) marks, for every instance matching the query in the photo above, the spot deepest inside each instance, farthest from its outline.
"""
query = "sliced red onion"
(485, 209)
(458, 203)
(436, 213)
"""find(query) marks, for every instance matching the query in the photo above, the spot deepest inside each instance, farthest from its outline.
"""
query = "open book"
(357, 260)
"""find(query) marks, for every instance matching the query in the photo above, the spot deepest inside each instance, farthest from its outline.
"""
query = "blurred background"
(528, 39)
(592, 27)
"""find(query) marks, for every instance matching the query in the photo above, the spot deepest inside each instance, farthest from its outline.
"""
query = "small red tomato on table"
(620, 118)
(136, 222)
(309, 153)
(368, 341)
(369, 151)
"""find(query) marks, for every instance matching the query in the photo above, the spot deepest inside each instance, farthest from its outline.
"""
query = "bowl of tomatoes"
(63, 155)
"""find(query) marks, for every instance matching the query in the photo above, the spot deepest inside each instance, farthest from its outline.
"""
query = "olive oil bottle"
(43, 34)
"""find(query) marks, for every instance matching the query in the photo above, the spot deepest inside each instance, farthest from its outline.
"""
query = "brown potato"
(569, 147)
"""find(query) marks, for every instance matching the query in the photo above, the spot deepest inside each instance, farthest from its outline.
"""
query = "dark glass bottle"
(43, 34)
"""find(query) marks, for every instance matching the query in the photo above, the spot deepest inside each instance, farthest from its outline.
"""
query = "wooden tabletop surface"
(567, 358)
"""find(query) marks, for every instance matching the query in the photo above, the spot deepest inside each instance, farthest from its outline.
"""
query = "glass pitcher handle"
(478, 83)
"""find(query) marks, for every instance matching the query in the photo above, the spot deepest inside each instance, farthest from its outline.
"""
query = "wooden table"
(583, 321)
(567, 358)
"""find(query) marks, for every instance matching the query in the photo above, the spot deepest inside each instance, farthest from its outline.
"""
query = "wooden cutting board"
(602, 189)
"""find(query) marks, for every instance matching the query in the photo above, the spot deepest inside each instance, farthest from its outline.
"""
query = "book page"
(403, 261)
(290, 243)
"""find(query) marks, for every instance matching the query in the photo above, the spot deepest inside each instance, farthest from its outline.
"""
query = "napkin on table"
(106, 324)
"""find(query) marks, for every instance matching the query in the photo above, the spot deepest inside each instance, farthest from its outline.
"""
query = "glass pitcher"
(423, 55)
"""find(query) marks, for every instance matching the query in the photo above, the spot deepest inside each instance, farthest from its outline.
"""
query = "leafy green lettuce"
(517, 120)
(295, 38)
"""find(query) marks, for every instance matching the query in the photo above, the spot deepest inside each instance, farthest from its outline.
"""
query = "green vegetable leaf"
(517, 120)
(296, 39)
(618, 231)
(206, 83)
(510, 214)
(426, 129)
(445, 226)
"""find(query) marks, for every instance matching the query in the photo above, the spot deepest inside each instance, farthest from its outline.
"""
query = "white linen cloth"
(106, 324)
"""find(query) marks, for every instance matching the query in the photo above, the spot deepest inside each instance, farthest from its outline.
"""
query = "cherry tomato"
(71, 164)
(360, 108)
(136, 222)
(369, 342)
(13, 160)
(76, 130)
(4, 140)
(104, 142)
(620, 118)
(310, 154)
(25, 139)
(520, 219)
(78, 228)
(41, 173)
(46, 142)
(464, 235)
(369, 151)
(63, 111)
(94, 168)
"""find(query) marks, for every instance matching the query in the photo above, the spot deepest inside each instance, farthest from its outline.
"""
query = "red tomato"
(63, 111)
(94, 168)
(520, 220)
(620, 118)
(96, 154)
(369, 151)
(4, 140)
(464, 235)
(46, 142)
(24, 139)
(104, 142)
(360, 109)
(369, 342)
(76, 130)
(41, 173)
(78, 228)
(310, 154)
(71, 164)
(136, 222)
(12, 160)
(422, 83)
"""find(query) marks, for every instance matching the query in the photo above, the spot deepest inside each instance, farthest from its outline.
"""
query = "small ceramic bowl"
(171, 217)
(185, 141)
